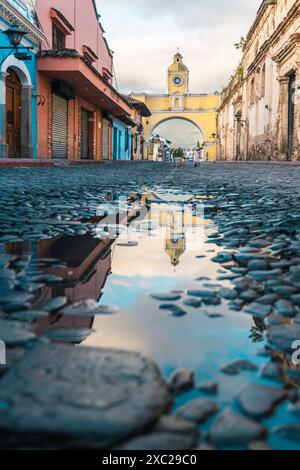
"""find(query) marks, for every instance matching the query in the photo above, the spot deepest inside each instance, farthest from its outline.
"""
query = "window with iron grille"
(58, 38)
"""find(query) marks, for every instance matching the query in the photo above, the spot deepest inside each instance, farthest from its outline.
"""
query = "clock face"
(177, 80)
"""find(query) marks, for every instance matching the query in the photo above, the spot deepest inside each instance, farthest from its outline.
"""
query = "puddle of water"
(123, 273)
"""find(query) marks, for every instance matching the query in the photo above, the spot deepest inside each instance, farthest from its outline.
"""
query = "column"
(296, 151)
(3, 144)
(283, 117)
(26, 122)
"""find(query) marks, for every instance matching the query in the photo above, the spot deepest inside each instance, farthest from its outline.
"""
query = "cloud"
(145, 34)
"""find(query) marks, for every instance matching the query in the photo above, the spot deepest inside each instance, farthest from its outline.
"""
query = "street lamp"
(15, 35)
(238, 117)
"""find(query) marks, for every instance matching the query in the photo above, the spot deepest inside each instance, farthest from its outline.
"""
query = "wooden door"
(13, 114)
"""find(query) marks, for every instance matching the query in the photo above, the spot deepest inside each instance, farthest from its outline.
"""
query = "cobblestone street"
(183, 344)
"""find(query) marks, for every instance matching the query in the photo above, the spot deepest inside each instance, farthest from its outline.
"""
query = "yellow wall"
(199, 109)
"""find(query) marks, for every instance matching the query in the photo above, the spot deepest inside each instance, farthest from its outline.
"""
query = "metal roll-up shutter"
(59, 127)
(105, 139)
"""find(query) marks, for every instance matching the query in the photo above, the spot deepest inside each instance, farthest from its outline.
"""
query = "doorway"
(13, 114)
(291, 114)
(86, 134)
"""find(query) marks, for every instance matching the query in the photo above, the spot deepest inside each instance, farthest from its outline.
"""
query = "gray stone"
(15, 333)
(258, 265)
(176, 310)
(237, 366)
(271, 371)
(228, 294)
(285, 308)
(233, 429)
(202, 293)
(295, 272)
(283, 336)
(249, 295)
(208, 386)
(258, 310)
(160, 441)
(259, 401)
(290, 431)
(182, 380)
(222, 258)
(166, 297)
(198, 410)
(88, 308)
(195, 303)
(265, 275)
(268, 299)
(95, 397)
(55, 304)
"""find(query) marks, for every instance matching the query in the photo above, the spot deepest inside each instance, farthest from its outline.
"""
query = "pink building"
(77, 100)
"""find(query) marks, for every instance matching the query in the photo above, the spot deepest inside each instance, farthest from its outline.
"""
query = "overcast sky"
(144, 34)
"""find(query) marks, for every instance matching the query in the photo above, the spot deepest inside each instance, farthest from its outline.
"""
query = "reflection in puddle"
(163, 251)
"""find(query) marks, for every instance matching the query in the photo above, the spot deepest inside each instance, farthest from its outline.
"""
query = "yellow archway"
(178, 103)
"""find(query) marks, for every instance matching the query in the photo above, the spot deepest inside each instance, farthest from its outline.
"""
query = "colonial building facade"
(259, 114)
(18, 86)
(78, 103)
(178, 103)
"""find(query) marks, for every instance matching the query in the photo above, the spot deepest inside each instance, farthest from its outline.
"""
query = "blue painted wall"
(121, 141)
(32, 69)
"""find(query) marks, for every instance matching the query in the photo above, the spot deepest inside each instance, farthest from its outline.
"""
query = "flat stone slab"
(81, 397)
(259, 401)
(198, 410)
(233, 429)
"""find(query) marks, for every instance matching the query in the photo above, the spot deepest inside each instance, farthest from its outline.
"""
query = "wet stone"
(181, 381)
(223, 258)
(271, 371)
(233, 429)
(68, 335)
(166, 297)
(55, 304)
(258, 265)
(258, 310)
(265, 275)
(176, 310)
(14, 333)
(198, 410)
(295, 272)
(214, 315)
(28, 315)
(202, 293)
(249, 295)
(88, 308)
(259, 401)
(237, 366)
(283, 336)
(195, 303)
(228, 294)
(268, 299)
(92, 411)
(285, 308)
(290, 431)
(209, 387)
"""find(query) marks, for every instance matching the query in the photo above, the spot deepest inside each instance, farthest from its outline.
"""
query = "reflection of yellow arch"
(183, 118)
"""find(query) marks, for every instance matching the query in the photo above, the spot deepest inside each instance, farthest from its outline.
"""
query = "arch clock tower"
(178, 76)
